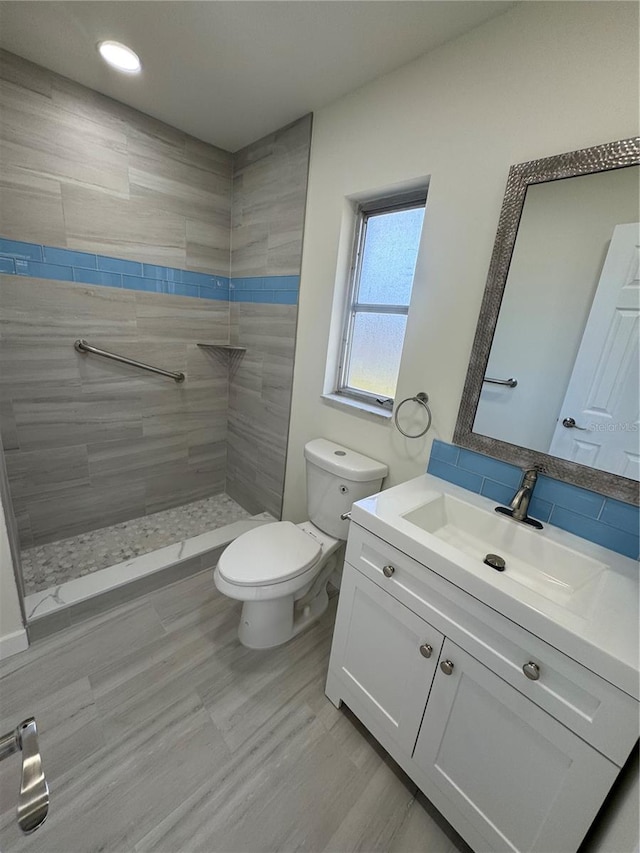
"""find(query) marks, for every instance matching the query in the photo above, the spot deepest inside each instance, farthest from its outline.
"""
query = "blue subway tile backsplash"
(620, 515)
(608, 522)
(492, 469)
(60, 264)
(579, 500)
(456, 475)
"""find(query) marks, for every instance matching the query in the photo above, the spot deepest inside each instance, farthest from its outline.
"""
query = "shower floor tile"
(52, 564)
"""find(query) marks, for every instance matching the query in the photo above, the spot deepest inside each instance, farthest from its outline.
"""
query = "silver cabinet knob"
(426, 650)
(446, 666)
(531, 670)
(387, 571)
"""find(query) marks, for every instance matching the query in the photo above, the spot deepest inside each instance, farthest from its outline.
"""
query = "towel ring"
(423, 400)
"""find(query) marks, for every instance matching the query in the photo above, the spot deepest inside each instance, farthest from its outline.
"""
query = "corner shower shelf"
(226, 347)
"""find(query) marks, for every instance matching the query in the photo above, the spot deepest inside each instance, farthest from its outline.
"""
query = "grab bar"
(82, 346)
(510, 382)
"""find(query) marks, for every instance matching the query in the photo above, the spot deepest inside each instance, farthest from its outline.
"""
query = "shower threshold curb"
(61, 606)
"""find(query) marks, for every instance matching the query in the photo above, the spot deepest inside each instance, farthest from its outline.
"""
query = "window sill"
(357, 407)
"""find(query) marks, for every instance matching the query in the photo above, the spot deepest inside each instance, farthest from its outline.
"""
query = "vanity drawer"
(594, 709)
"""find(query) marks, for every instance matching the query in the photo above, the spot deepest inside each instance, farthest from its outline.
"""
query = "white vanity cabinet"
(514, 763)
(374, 635)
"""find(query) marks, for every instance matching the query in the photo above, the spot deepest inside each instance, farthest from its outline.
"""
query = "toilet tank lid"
(345, 463)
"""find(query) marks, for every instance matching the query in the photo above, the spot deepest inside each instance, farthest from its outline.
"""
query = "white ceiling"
(231, 72)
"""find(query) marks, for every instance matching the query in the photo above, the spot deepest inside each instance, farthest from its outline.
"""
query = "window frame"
(364, 211)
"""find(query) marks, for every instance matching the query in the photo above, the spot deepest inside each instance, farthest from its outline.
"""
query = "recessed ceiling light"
(120, 56)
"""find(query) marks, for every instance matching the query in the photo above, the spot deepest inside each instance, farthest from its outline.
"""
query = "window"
(384, 259)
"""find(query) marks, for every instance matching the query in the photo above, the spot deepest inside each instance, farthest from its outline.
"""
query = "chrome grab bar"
(33, 799)
(510, 382)
(82, 346)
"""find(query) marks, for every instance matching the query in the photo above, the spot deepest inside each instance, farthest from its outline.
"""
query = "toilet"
(280, 570)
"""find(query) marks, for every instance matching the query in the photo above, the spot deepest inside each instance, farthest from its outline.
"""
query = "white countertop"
(605, 639)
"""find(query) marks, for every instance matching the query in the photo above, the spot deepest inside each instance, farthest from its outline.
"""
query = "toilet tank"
(336, 477)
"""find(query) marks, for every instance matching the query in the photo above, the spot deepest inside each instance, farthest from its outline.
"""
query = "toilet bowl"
(280, 571)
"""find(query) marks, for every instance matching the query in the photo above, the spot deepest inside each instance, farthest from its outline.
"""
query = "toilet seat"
(270, 554)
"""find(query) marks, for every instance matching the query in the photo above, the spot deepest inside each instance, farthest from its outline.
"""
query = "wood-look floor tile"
(288, 789)
(124, 790)
(160, 732)
(51, 664)
(420, 831)
(253, 686)
(197, 602)
(69, 730)
(385, 800)
(156, 676)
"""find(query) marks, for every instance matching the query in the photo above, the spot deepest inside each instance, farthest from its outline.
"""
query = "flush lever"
(33, 799)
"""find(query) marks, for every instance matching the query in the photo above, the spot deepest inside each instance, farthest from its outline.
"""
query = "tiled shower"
(146, 242)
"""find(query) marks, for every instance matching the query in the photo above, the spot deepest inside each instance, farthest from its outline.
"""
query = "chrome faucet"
(33, 799)
(519, 506)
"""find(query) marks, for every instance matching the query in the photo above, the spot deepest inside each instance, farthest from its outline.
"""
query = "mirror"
(553, 375)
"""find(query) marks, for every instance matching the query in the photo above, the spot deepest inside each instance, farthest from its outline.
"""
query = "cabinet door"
(521, 778)
(378, 664)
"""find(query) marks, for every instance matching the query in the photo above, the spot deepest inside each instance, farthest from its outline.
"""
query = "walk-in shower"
(146, 357)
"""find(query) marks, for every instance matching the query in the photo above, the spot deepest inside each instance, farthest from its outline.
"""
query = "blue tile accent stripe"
(608, 522)
(59, 264)
(270, 289)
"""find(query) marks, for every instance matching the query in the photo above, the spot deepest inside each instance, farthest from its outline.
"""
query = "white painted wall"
(13, 637)
(541, 79)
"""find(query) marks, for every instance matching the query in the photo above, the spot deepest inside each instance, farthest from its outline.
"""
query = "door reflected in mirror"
(567, 329)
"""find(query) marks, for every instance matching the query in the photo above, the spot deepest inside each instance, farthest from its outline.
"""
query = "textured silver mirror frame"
(600, 158)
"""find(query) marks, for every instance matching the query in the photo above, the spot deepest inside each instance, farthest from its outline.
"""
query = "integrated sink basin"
(560, 574)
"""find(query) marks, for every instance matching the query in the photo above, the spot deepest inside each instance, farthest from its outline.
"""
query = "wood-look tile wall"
(82, 171)
(90, 442)
(269, 195)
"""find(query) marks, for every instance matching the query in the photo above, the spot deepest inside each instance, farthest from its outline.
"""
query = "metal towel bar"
(510, 382)
(82, 346)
